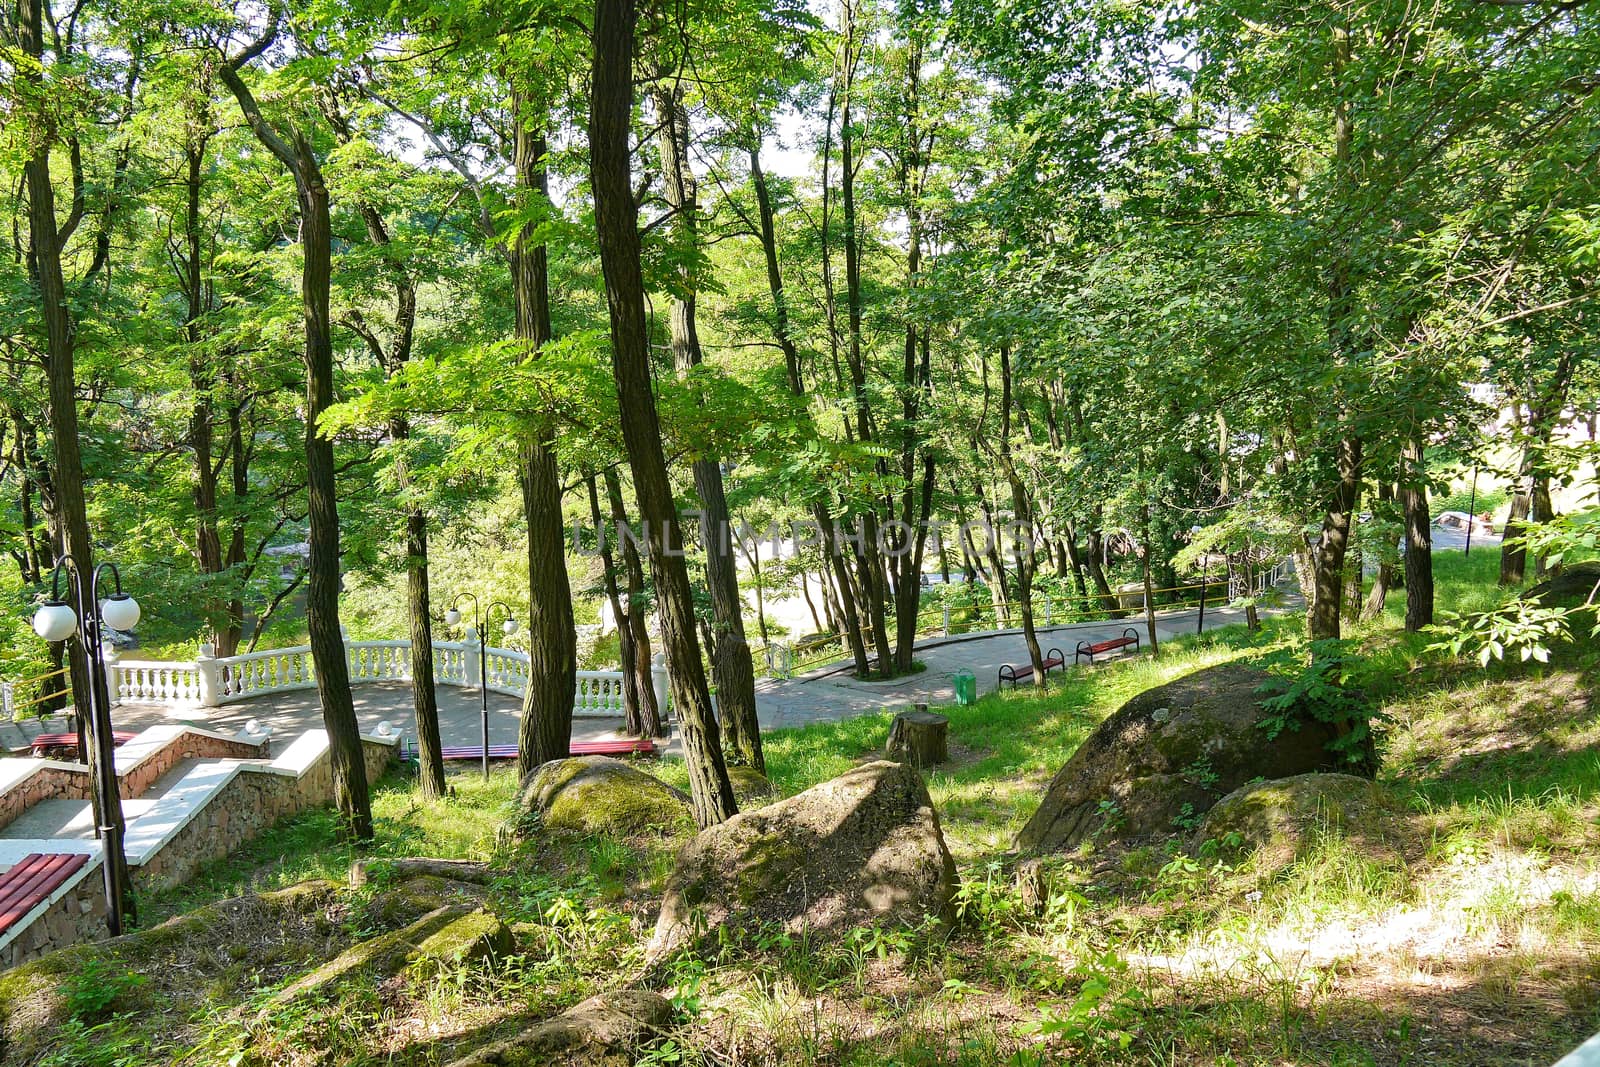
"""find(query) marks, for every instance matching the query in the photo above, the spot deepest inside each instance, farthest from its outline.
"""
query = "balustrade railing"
(214, 681)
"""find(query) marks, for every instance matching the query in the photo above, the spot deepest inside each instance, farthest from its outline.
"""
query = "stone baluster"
(471, 654)
(658, 681)
(209, 669)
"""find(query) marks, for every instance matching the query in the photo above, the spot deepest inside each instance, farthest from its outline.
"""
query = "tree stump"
(919, 737)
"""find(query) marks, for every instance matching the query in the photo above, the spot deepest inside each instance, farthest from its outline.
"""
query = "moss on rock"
(750, 787)
(862, 849)
(1276, 822)
(223, 947)
(597, 794)
(1167, 755)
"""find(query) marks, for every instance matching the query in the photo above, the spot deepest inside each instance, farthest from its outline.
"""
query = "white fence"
(211, 682)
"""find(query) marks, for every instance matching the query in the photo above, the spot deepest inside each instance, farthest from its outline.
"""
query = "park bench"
(624, 747)
(67, 744)
(1130, 636)
(1009, 673)
(31, 880)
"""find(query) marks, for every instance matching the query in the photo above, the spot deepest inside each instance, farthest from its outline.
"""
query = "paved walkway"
(831, 693)
(826, 695)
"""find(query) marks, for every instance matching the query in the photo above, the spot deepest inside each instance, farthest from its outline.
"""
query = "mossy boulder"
(1571, 585)
(750, 787)
(862, 849)
(598, 794)
(1167, 755)
(1276, 822)
(221, 950)
(603, 1031)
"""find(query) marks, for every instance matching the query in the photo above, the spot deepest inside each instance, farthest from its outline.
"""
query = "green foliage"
(1313, 683)
(1522, 627)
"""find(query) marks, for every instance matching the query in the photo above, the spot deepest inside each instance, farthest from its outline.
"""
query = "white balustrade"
(154, 682)
(599, 693)
(277, 670)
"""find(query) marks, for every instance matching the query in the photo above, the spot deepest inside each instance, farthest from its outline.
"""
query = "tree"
(616, 227)
(293, 147)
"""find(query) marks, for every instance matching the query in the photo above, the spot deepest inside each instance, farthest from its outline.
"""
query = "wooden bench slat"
(30, 882)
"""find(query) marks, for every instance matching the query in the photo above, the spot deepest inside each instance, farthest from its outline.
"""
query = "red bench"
(624, 747)
(67, 744)
(1008, 673)
(1130, 636)
(31, 880)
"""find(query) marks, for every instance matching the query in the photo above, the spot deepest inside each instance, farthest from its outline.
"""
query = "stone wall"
(253, 800)
(46, 783)
(184, 746)
(80, 915)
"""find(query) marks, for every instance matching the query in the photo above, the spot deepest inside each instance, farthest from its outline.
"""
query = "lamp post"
(479, 616)
(1200, 624)
(56, 620)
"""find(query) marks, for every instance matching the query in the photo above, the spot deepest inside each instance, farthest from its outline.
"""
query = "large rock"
(1276, 822)
(1571, 585)
(864, 848)
(1168, 755)
(750, 787)
(598, 794)
(223, 948)
(603, 1031)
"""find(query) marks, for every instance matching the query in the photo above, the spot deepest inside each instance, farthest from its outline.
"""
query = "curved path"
(826, 695)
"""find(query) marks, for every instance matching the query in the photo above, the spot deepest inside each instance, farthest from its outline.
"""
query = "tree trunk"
(1419, 536)
(1149, 598)
(546, 728)
(70, 511)
(1022, 513)
(848, 622)
(616, 225)
(1385, 577)
(619, 614)
(1323, 612)
(650, 715)
(346, 759)
(731, 666)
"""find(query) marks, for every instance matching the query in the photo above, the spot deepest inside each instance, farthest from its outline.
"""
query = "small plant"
(1319, 688)
(97, 987)
(1096, 1018)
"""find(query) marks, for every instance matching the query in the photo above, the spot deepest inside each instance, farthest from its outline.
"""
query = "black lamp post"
(508, 627)
(56, 620)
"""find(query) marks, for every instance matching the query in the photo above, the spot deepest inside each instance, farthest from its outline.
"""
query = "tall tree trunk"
(546, 728)
(1022, 513)
(1419, 535)
(617, 229)
(346, 759)
(1385, 576)
(70, 512)
(731, 666)
(847, 621)
(619, 614)
(1149, 597)
(1323, 612)
(650, 714)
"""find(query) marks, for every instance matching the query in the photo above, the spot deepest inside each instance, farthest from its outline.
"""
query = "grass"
(1474, 940)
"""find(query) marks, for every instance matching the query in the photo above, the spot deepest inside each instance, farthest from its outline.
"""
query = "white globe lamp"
(120, 611)
(55, 620)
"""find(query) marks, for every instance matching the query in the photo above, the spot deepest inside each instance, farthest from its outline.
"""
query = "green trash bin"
(966, 686)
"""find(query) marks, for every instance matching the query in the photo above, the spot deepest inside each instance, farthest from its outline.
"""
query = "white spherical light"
(55, 621)
(120, 611)
(508, 627)
(452, 617)
(386, 728)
